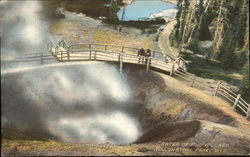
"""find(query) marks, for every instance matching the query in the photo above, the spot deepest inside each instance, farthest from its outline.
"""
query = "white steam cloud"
(24, 30)
(116, 128)
(76, 102)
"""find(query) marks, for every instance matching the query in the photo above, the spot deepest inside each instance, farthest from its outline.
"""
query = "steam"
(75, 102)
(115, 128)
(24, 30)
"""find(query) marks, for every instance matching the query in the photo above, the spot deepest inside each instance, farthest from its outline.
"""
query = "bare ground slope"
(177, 120)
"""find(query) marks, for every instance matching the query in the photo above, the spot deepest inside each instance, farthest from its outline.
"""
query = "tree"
(227, 54)
(224, 22)
(112, 12)
(218, 27)
(245, 82)
(189, 24)
(178, 19)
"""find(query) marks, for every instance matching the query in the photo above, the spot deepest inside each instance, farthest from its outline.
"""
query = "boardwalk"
(83, 52)
(63, 52)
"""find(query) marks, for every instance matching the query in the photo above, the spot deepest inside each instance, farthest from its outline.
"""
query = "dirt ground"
(177, 119)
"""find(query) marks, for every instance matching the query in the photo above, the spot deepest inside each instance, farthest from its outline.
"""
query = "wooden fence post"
(193, 81)
(182, 64)
(248, 112)
(217, 88)
(68, 55)
(95, 55)
(179, 63)
(48, 47)
(120, 58)
(148, 63)
(236, 100)
(90, 51)
(61, 55)
(55, 51)
(42, 57)
(172, 70)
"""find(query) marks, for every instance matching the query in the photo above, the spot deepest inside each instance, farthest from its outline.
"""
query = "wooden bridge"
(122, 54)
(63, 52)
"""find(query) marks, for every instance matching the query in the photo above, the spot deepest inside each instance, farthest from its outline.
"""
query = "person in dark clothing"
(141, 54)
(148, 54)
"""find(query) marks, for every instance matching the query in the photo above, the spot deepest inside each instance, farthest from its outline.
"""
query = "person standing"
(148, 55)
(141, 54)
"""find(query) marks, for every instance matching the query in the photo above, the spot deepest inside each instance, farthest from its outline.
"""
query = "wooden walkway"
(63, 52)
(110, 53)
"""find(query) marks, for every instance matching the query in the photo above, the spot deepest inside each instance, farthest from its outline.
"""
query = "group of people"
(143, 55)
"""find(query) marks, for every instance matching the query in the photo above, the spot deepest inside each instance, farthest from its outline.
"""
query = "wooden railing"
(117, 49)
(90, 52)
(216, 89)
(100, 52)
(122, 54)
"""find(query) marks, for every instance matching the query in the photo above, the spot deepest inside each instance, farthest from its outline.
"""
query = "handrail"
(109, 45)
(50, 45)
(175, 66)
(218, 89)
(65, 44)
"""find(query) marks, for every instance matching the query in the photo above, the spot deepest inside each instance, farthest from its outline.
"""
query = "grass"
(213, 70)
(75, 32)
(209, 107)
(114, 38)
(142, 24)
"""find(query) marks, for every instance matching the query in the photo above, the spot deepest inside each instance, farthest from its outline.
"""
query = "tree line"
(223, 22)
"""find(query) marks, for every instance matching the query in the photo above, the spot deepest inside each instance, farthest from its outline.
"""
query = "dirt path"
(164, 42)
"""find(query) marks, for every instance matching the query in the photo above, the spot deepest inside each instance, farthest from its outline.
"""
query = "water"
(144, 8)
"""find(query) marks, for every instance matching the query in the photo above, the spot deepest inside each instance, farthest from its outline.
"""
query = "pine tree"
(245, 82)
(242, 22)
(183, 16)
(218, 27)
(178, 19)
(112, 12)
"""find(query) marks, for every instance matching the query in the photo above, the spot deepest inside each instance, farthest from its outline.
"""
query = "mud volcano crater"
(94, 103)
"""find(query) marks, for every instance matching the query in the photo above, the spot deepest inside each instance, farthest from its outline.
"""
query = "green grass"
(142, 24)
(213, 70)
